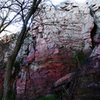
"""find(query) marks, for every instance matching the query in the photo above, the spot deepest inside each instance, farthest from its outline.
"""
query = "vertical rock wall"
(67, 25)
(60, 32)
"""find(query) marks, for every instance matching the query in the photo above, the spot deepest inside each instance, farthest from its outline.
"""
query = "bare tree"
(11, 59)
(5, 12)
(13, 11)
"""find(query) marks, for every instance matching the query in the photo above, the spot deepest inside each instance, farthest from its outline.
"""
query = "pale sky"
(56, 2)
(80, 1)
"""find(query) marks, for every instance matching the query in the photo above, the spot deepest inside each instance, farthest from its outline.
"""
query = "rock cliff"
(49, 51)
(58, 33)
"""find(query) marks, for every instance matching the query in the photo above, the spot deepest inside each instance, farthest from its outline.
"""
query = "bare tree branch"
(12, 57)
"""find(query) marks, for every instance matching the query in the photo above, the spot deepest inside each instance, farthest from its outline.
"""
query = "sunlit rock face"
(67, 25)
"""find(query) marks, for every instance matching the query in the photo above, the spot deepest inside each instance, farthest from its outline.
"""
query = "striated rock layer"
(67, 25)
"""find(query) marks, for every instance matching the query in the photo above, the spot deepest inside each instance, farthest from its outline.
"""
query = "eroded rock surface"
(67, 25)
(59, 32)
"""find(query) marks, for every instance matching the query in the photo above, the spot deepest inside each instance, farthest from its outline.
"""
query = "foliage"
(80, 57)
(16, 64)
(12, 96)
(52, 97)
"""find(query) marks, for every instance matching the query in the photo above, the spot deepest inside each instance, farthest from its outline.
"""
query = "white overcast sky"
(56, 2)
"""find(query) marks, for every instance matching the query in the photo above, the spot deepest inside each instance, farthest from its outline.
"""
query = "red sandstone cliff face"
(40, 82)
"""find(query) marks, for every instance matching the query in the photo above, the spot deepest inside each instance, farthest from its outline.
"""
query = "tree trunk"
(12, 57)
